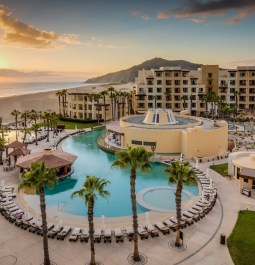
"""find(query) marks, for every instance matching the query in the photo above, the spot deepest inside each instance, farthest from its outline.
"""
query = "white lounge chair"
(74, 234)
(162, 228)
(118, 235)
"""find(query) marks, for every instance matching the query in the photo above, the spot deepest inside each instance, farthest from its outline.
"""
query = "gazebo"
(15, 145)
(62, 161)
(18, 152)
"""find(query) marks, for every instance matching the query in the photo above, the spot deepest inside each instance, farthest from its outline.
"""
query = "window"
(176, 74)
(159, 82)
(185, 90)
(150, 97)
(232, 82)
(150, 89)
(210, 75)
(232, 74)
(159, 105)
(149, 143)
(177, 82)
(159, 97)
(193, 90)
(150, 105)
(168, 90)
(168, 82)
(232, 90)
(159, 90)
(185, 82)
(80, 116)
(136, 142)
(245, 180)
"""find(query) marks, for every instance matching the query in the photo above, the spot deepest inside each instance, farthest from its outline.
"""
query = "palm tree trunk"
(36, 143)
(91, 231)
(59, 107)
(104, 110)
(178, 200)
(48, 130)
(44, 227)
(136, 256)
(98, 112)
(16, 121)
(1, 155)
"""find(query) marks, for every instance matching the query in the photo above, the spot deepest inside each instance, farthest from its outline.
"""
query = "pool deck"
(202, 238)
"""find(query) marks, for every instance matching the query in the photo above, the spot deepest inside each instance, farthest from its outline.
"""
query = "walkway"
(202, 238)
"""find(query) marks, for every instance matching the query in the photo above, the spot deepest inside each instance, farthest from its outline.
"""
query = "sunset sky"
(83, 38)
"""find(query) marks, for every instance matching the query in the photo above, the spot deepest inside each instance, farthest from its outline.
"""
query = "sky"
(61, 39)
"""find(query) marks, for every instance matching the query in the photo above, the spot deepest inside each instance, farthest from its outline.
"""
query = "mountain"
(128, 75)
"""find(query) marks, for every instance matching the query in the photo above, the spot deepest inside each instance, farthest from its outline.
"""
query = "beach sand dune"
(42, 101)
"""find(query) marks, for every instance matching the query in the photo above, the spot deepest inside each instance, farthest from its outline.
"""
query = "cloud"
(140, 14)
(197, 10)
(25, 35)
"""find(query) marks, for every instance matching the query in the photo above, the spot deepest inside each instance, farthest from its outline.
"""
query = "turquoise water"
(93, 161)
(160, 198)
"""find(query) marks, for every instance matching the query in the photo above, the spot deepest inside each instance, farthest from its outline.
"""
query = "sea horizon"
(22, 88)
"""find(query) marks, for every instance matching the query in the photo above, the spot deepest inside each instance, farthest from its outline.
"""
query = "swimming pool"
(93, 161)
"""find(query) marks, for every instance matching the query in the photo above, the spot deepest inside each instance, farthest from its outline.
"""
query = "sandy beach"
(43, 101)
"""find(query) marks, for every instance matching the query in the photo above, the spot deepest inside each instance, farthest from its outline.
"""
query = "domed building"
(170, 133)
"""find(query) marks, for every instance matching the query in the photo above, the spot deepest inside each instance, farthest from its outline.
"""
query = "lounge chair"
(75, 234)
(25, 225)
(142, 233)
(170, 224)
(97, 235)
(39, 231)
(174, 220)
(64, 232)
(35, 227)
(130, 233)
(152, 230)
(118, 235)
(190, 215)
(195, 212)
(84, 237)
(108, 235)
(187, 220)
(54, 231)
(162, 228)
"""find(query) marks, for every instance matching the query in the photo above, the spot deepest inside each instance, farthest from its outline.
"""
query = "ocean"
(12, 89)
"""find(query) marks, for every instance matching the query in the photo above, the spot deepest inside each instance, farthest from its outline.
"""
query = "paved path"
(202, 238)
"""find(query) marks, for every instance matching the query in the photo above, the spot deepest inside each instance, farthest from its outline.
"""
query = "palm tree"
(91, 189)
(130, 103)
(179, 173)
(96, 98)
(236, 94)
(191, 99)
(38, 177)
(16, 113)
(47, 117)
(26, 131)
(2, 143)
(91, 98)
(133, 158)
(59, 94)
(114, 98)
(168, 95)
(35, 128)
(25, 116)
(155, 101)
(33, 116)
(111, 90)
(104, 94)
(184, 98)
(63, 94)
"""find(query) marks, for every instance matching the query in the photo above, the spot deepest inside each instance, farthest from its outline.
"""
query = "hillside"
(128, 75)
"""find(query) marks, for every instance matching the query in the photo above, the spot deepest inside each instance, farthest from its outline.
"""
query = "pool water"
(93, 161)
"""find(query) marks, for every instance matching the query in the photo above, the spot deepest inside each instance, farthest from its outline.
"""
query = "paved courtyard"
(202, 238)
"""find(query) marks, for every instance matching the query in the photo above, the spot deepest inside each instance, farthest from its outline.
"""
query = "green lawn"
(221, 169)
(72, 125)
(241, 243)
